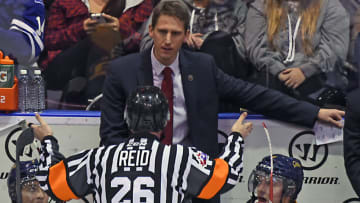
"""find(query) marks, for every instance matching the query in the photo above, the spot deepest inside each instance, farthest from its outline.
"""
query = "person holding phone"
(69, 49)
(101, 19)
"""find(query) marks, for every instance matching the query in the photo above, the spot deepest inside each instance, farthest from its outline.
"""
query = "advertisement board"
(325, 178)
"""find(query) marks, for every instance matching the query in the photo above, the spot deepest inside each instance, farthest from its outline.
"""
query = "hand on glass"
(42, 130)
(243, 128)
(332, 116)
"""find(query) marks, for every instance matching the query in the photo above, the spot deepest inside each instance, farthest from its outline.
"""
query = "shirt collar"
(159, 67)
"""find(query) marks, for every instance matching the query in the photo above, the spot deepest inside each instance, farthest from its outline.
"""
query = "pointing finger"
(242, 117)
(41, 120)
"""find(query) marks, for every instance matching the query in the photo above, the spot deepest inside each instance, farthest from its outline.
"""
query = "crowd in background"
(302, 48)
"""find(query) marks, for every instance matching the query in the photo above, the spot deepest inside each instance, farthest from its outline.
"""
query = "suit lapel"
(188, 79)
(145, 75)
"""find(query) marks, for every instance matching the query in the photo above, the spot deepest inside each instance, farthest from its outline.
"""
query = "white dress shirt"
(180, 125)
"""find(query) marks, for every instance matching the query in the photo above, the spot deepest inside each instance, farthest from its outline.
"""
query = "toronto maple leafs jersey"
(141, 169)
(22, 29)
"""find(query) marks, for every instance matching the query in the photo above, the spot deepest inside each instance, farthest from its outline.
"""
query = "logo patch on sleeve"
(202, 158)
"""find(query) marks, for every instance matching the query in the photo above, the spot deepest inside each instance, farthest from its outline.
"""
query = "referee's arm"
(209, 177)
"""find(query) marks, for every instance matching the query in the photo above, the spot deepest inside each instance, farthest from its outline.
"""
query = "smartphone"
(98, 17)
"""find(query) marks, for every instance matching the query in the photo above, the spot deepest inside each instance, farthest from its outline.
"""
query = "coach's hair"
(174, 8)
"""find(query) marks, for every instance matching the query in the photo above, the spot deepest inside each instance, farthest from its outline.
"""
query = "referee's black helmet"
(146, 110)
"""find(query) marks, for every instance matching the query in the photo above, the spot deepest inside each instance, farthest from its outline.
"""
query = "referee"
(141, 169)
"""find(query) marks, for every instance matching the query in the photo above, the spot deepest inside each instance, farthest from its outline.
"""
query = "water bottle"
(38, 92)
(24, 91)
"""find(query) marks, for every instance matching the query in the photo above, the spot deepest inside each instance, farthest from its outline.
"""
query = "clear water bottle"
(38, 92)
(24, 91)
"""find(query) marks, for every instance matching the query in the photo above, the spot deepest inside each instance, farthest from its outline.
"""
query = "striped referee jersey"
(141, 169)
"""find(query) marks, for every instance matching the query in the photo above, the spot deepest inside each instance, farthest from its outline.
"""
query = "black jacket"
(352, 139)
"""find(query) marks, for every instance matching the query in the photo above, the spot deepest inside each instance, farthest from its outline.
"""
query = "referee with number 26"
(141, 169)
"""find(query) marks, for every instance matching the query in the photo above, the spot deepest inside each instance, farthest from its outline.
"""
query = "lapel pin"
(190, 77)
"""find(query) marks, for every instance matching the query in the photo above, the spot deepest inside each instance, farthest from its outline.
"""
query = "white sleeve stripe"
(49, 150)
(41, 178)
(187, 169)
(227, 148)
(154, 149)
(88, 170)
(231, 181)
(77, 168)
(104, 170)
(239, 167)
(76, 161)
(97, 160)
(236, 155)
(164, 171)
(45, 188)
(30, 30)
(31, 42)
(116, 158)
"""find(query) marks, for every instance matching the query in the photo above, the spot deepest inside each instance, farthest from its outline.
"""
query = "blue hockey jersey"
(22, 29)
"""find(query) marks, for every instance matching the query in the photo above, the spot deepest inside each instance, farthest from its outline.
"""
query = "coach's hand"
(41, 130)
(243, 128)
(332, 116)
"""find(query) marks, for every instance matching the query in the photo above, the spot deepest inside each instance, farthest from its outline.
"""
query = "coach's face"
(168, 34)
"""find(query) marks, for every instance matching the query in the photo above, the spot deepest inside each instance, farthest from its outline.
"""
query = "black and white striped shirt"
(141, 169)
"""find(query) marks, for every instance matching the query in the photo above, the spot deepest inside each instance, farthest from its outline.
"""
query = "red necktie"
(167, 88)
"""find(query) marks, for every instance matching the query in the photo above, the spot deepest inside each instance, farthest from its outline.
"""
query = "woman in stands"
(298, 46)
(70, 37)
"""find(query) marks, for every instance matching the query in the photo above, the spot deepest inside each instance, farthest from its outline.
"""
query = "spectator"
(159, 173)
(74, 48)
(298, 47)
(352, 7)
(30, 188)
(287, 180)
(217, 27)
(22, 29)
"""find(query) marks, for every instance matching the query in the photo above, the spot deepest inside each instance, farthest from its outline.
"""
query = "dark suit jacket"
(352, 139)
(203, 85)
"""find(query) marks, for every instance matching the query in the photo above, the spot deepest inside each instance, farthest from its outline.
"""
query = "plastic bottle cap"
(23, 72)
(37, 72)
(7, 61)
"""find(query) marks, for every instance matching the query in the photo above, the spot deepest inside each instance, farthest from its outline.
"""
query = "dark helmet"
(28, 171)
(287, 168)
(146, 110)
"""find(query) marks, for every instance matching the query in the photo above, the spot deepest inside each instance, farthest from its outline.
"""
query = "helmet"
(28, 171)
(146, 110)
(288, 169)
